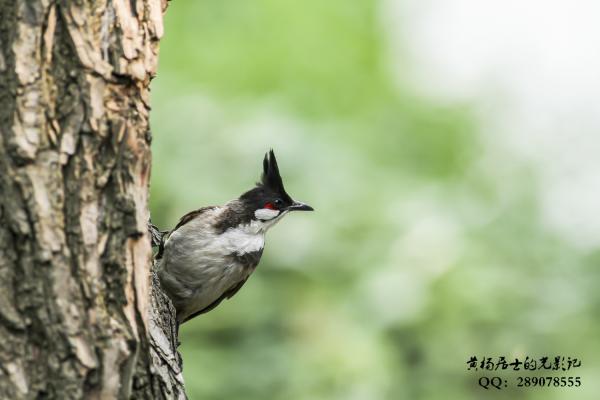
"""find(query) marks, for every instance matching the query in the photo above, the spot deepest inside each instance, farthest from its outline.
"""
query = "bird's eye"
(278, 202)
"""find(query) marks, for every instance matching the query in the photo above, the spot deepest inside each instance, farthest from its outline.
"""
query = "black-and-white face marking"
(269, 199)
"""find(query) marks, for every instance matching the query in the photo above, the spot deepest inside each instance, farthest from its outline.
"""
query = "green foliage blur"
(422, 252)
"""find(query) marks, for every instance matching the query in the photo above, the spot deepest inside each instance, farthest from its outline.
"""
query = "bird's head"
(269, 200)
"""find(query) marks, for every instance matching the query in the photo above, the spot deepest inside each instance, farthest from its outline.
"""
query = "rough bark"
(75, 253)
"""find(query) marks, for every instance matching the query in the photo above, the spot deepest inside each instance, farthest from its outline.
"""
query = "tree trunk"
(75, 254)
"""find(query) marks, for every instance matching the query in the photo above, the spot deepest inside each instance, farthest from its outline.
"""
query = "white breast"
(242, 239)
(197, 240)
(199, 259)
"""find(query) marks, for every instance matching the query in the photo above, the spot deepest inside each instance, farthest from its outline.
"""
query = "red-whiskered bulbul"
(213, 250)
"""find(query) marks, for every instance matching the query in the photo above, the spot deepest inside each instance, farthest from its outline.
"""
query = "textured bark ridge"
(75, 253)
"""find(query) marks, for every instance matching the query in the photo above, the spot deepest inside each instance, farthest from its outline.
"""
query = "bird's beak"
(297, 206)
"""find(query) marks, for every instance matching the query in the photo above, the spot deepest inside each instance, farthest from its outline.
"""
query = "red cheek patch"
(269, 206)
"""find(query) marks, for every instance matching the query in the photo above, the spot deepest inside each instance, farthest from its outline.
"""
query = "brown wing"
(190, 216)
(229, 293)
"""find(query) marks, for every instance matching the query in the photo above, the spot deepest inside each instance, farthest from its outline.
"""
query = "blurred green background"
(426, 247)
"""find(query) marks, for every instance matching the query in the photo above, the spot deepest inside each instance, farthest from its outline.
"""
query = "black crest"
(270, 177)
(269, 189)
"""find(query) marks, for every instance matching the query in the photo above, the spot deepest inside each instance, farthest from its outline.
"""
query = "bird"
(212, 251)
